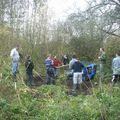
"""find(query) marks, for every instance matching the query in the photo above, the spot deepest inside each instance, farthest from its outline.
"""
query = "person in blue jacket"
(50, 72)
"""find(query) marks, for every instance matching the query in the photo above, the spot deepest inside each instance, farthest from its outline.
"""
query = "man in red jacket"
(56, 63)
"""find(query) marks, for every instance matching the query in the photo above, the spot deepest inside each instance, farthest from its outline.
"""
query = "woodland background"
(82, 33)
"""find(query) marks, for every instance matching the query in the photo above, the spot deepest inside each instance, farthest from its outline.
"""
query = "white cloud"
(59, 9)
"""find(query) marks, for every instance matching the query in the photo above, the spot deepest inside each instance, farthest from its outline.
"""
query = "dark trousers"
(50, 80)
(50, 76)
(29, 76)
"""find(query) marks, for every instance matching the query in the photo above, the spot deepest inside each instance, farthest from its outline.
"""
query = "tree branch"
(111, 33)
(115, 2)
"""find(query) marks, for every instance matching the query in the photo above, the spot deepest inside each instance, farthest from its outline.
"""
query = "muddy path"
(85, 88)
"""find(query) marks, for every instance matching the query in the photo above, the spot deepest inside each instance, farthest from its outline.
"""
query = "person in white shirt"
(14, 54)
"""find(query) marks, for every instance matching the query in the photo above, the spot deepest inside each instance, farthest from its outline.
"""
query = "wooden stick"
(38, 75)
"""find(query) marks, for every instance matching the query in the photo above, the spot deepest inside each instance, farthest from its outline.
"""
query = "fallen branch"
(38, 75)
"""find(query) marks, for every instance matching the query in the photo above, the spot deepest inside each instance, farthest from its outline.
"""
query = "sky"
(59, 9)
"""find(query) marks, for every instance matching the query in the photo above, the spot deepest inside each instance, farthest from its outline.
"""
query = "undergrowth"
(50, 102)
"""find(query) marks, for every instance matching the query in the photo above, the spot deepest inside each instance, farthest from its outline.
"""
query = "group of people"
(75, 66)
(115, 66)
(53, 63)
(29, 66)
(51, 68)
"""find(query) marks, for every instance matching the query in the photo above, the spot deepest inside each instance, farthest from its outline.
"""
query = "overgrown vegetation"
(52, 102)
(82, 33)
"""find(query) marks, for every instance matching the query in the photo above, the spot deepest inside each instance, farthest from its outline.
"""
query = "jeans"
(50, 76)
(56, 72)
(14, 70)
(77, 78)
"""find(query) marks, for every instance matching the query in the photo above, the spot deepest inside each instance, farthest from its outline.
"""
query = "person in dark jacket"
(77, 68)
(29, 70)
(65, 60)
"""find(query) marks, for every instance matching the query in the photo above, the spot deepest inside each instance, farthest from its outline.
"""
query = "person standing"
(29, 70)
(72, 61)
(50, 73)
(14, 54)
(116, 68)
(56, 63)
(65, 60)
(77, 68)
(102, 58)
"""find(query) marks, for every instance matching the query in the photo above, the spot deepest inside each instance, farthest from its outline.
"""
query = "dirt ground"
(84, 88)
(39, 80)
